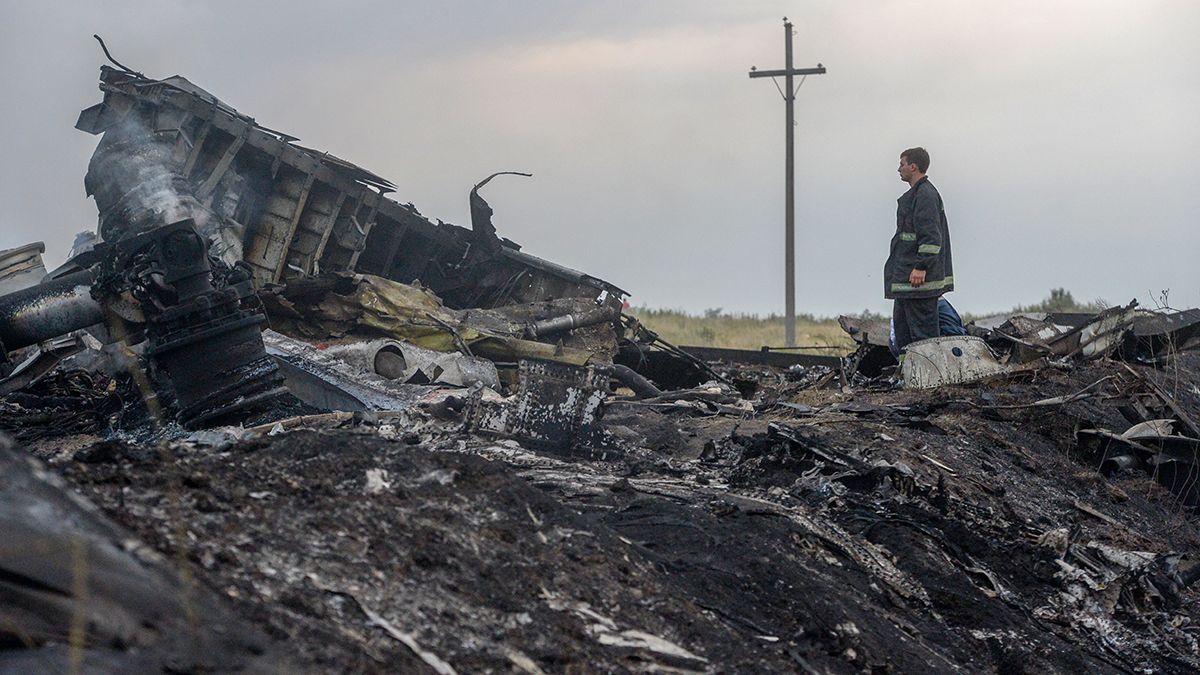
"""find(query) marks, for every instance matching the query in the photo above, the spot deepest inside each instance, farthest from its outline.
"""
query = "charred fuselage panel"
(171, 150)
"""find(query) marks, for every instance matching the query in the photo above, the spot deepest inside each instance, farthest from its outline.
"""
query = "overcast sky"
(1064, 135)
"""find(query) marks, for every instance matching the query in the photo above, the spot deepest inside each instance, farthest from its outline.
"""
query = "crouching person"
(949, 323)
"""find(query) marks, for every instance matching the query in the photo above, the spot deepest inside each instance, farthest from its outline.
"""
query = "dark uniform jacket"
(922, 241)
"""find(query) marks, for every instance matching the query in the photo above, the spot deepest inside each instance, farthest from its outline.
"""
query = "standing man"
(918, 270)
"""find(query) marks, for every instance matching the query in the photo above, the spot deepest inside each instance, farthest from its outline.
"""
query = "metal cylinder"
(220, 371)
(570, 322)
(410, 364)
(390, 363)
(48, 310)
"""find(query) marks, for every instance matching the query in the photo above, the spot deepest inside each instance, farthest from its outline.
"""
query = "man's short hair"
(918, 156)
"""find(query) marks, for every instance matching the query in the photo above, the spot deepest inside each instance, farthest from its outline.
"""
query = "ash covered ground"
(956, 529)
(454, 456)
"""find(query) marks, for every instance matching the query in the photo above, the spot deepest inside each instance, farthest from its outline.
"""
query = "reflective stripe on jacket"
(921, 242)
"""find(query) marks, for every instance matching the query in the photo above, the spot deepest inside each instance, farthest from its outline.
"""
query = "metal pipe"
(570, 322)
(48, 310)
(630, 378)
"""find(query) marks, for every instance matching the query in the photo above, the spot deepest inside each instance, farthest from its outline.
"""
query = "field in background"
(742, 331)
(716, 328)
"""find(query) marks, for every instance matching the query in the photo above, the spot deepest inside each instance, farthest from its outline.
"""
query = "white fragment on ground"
(641, 640)
(607, 633)
(432, 660)
(377, 481)
(537, 522)
(847, 629)
(440, 476)
(523, 662)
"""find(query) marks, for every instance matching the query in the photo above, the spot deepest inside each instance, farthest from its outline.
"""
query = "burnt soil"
(886, 532)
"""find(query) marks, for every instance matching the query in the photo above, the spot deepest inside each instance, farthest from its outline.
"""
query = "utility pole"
(789, 99)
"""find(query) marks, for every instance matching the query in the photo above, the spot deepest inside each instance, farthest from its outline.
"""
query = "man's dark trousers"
(915, 319)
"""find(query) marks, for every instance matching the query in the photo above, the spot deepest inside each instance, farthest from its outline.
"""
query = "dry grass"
(749, 331)
(741, 331)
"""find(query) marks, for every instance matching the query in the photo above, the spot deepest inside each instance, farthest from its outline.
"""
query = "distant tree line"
(1059, 300)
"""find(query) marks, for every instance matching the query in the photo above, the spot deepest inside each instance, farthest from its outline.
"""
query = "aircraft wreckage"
(268, 419)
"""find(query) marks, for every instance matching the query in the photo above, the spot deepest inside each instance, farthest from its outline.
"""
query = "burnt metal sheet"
(556, 407)
(41, 361)
(1070, 319)
(866, 331)
(1065, 334)
(947, 360)
(1104, 333)
(1157, 336)
(277, 197)
(1162, 324)
(326, 381)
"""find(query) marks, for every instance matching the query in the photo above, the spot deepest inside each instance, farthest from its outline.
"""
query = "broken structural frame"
(295, 211)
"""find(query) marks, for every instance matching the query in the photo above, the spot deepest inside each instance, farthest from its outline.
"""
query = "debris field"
(267, 419)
